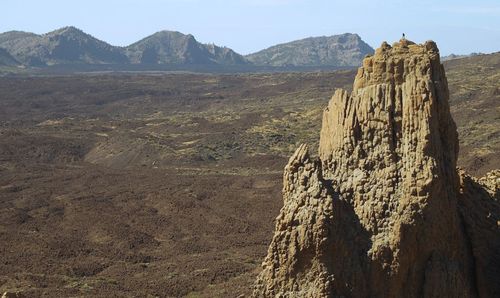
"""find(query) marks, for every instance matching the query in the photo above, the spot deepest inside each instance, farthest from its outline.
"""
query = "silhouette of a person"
(404, 37)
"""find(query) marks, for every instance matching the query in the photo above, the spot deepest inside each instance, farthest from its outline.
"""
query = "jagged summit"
(382, 212)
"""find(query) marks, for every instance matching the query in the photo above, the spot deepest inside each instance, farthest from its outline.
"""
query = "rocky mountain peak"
(382, 212)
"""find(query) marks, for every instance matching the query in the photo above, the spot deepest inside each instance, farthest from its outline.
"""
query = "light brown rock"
(13, 295)
(382, 212)
(491, 182)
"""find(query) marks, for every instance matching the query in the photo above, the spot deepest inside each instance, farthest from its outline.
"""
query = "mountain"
(71, 47)
(171, 47)
(10, 37)
(6, 59)
(338, 50)
(384, 211)
(63, 46)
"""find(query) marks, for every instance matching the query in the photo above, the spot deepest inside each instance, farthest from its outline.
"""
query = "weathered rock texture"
(384, 212)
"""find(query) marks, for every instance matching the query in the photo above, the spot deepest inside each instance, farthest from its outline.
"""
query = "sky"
(458, 26)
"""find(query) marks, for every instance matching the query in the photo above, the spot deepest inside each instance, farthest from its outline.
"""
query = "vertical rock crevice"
(381, 212)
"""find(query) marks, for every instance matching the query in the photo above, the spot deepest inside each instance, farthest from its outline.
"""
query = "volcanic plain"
(167, 184)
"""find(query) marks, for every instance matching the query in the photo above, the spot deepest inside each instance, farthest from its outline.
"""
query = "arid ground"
(144, 185)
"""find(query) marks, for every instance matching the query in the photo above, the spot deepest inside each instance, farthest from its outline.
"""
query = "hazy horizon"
(248, 26)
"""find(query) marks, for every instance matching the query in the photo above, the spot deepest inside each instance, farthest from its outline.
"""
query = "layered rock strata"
(384, 212)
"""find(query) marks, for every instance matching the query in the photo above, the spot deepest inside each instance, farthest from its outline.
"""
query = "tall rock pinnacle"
(384, 211)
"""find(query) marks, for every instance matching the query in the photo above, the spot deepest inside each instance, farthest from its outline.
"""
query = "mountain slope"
(171, 47)
(6, 59)
(338, 50)
(63, 46)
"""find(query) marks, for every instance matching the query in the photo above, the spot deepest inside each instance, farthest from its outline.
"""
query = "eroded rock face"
(384, 212)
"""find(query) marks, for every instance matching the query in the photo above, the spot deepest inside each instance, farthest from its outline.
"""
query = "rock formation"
(384, 212)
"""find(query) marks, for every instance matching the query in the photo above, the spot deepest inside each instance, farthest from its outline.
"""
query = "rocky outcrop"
(383, 212)
(491, 181)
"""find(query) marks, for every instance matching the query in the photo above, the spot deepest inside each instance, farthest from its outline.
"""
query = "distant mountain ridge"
(338, 50)
(455, 56)
(70, 46)
(171, 47)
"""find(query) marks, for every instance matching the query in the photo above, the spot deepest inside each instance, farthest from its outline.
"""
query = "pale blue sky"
(457, 26)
